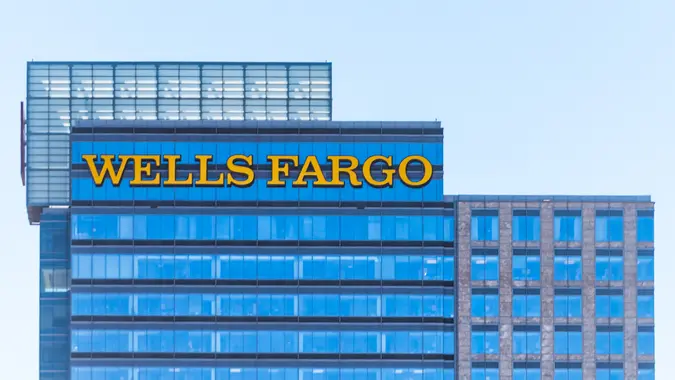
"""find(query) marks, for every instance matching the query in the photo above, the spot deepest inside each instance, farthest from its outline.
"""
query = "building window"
(609, 306)
(526, 374)
(484, 342)
(526, 342)
(484, 267)
(526, 225)
(568, 374)
(609, 374)
(567, 226)
(567, 306)
(646, 374)
(645, 306)
(645, 268)
(526, 305)
(484, 225)
(645, 226)
(609, 343)
(609, 268)
(567, 268)
(449, 228)
(485, 305)
(484, 373)
(526, 268)
(645, 344)
(608, 226)
(568, 343)
(55, 280)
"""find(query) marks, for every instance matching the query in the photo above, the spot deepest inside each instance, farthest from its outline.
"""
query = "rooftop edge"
(256, 123)
(545, 198)
(326, 63)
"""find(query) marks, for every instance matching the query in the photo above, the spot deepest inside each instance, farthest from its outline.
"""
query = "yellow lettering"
(389, 173)
(240, 169)
(172, 160)
(143, 167)
(204, 172)
(240, 172)
(337, 169)
(278, 169)
(107, 169)
(403, 171)
(311, 168)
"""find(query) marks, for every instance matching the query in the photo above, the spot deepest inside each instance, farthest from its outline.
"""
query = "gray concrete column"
(547, 292)
(630, 291)
(588, 290)
(463, 289)
(505, 292)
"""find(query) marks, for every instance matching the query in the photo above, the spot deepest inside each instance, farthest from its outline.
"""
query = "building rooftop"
(257, 124)
(543, 198)
(229, 63)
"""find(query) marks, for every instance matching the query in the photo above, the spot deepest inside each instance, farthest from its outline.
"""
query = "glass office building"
(310, 283)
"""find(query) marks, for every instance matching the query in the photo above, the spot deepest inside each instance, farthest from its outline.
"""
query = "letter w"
(107, 170)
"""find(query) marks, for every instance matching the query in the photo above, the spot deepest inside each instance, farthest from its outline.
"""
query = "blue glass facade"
(347, 283)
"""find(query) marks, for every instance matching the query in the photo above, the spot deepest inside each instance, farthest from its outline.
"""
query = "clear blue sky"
(564, 97)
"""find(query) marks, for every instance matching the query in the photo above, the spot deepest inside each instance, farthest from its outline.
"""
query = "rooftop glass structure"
(60, 94)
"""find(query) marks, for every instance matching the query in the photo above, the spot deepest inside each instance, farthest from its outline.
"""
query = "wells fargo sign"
(376, 171)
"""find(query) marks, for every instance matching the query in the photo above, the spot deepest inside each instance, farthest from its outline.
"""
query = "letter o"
(403, 171)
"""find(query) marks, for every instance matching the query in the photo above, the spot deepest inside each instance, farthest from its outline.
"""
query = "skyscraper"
(307, 282)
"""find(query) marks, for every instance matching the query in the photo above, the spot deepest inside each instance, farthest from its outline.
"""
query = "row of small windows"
(263, 267)
(264, 305)
(62, 112)
(566, 268)
(566, 228)
(173, 83)
(565, 343)
(264, 373)
(371, 342)
(84, 189)
(388, 305)
(186, 70)
(260, 150)
(260, 373)
(263, 227)
(560, 374)
(564, 306)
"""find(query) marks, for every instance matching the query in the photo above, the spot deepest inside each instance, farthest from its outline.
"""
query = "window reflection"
(645, 226)
(526, 228)
(568, 343)
(609, 306)
(260, 341)
(526, 342)
(267, 373)
(260, 227)
(265, 305)
(484, 305)
(645, 268)
(567, 268)
(609, 268)
(567, 227)
(485, 228)
(526, 268)
(526, 305)
(263, 267)
(609, 343)
(484, 342)
(567, 306)
(568, 374)
(608, 228)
